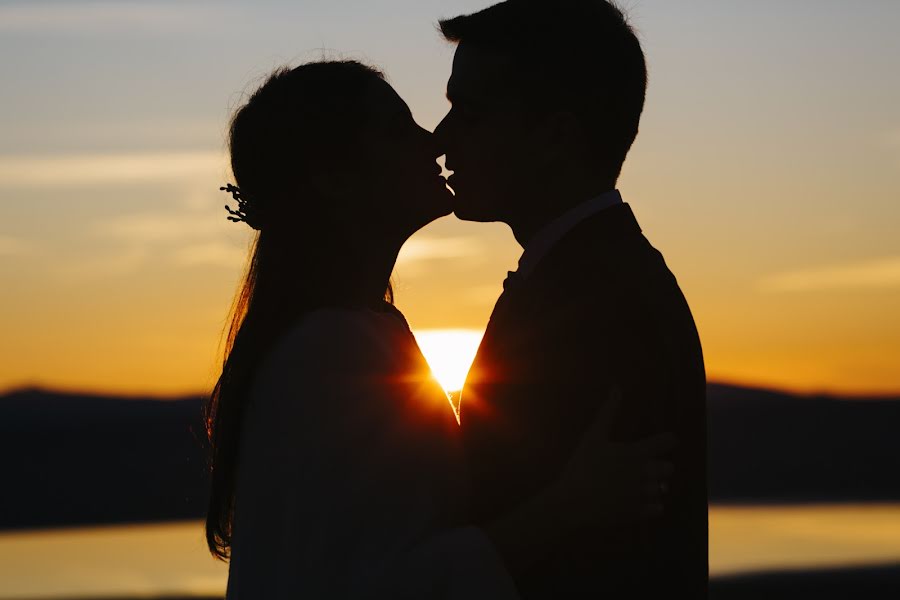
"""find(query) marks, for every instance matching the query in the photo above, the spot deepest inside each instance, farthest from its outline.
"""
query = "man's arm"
(603, 484)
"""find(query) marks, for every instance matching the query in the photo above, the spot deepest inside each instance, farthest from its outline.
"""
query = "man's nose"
(440, 133)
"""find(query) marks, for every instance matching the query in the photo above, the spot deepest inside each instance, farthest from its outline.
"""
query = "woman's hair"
(299, 120)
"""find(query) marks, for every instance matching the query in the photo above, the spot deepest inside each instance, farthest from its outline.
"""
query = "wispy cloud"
(431, 248)
(145, 228)
(124, 262)
(87, 18)
(54, 171)
(872, 274)
(177, 237)
(481, 294)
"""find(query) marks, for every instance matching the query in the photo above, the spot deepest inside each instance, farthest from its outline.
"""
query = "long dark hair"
(300, 119)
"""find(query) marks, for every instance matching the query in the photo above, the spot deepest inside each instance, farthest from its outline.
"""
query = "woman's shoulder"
(326, 353)
(339, 328)
(335, 338)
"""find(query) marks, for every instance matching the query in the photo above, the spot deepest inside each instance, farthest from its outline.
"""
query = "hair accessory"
(242, 213)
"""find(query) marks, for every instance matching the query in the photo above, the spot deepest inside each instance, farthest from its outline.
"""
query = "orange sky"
(767, 171)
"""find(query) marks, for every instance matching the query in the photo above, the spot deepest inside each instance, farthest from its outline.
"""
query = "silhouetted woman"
(335, 471)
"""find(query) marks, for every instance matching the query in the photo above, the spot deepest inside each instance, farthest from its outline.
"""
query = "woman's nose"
(440, 132)
(433, 143)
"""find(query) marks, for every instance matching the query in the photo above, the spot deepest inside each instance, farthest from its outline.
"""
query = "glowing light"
(449, 352)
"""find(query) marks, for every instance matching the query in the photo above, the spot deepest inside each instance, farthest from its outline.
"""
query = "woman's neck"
(364, 269)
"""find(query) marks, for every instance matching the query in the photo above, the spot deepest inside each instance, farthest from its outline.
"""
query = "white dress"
(350, 481)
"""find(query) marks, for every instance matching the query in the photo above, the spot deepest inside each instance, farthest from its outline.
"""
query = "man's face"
(484, 137)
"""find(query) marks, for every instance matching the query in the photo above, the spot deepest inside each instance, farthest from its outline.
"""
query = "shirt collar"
(552, 232)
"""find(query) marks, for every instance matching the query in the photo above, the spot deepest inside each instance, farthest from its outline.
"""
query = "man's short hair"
(576, 55)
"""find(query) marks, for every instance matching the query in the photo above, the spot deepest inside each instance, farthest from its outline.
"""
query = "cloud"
(882, 273)
(130, 258)
(124, 262)
(175, 237)
(56, 171)
(419, 249)
(481, 294)
(146, 228)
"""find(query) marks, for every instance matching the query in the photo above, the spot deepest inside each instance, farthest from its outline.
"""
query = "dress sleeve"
(360, 503)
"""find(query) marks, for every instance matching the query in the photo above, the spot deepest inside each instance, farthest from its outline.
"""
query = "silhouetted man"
(546, 99)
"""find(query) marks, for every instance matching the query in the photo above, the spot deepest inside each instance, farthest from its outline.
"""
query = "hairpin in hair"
(242, 213)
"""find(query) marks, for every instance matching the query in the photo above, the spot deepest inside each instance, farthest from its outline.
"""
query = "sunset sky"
(767, 171)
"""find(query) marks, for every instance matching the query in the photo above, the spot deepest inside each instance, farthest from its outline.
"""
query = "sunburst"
(449, 353)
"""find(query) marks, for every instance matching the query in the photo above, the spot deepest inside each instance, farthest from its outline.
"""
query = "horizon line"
(166, 396)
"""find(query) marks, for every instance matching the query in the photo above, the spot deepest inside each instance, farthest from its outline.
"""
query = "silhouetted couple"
(576, 467)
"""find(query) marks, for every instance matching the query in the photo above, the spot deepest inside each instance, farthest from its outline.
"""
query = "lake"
(171, 558)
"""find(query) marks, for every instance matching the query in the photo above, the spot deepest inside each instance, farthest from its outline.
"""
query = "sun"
(449, 353)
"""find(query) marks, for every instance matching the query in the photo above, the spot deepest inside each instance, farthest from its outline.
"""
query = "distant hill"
(78, 459)
(767, 446)
(69, 459)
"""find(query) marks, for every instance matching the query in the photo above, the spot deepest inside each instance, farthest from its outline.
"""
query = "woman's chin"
(442, 202)
(434, 206)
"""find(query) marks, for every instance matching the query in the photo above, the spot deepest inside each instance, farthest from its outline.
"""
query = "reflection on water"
(130, 560)
(153, 560)
(755, 538)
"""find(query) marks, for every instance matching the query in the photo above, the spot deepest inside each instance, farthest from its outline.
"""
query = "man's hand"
(604, 484)
(607, 483)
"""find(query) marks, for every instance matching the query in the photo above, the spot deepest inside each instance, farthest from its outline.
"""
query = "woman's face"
(399, 178)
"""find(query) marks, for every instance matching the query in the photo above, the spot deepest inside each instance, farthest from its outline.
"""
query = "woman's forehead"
(384, 99)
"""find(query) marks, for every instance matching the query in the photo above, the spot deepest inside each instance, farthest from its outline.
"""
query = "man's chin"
(464, 215)
(471, 210)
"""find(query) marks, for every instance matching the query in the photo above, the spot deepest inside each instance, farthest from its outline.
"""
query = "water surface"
(171, 558)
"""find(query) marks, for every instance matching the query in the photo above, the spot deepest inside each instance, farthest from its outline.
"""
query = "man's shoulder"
(605, 243)
(612, 284)
(607, 263)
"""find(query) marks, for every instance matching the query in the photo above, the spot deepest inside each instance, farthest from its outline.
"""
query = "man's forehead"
(478, 71)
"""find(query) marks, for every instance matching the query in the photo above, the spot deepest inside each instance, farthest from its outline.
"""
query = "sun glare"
(449, 353)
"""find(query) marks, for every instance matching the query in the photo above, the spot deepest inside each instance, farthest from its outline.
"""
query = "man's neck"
(544, 208)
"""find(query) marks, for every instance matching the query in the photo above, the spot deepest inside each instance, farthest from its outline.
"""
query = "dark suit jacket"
(600, 309)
